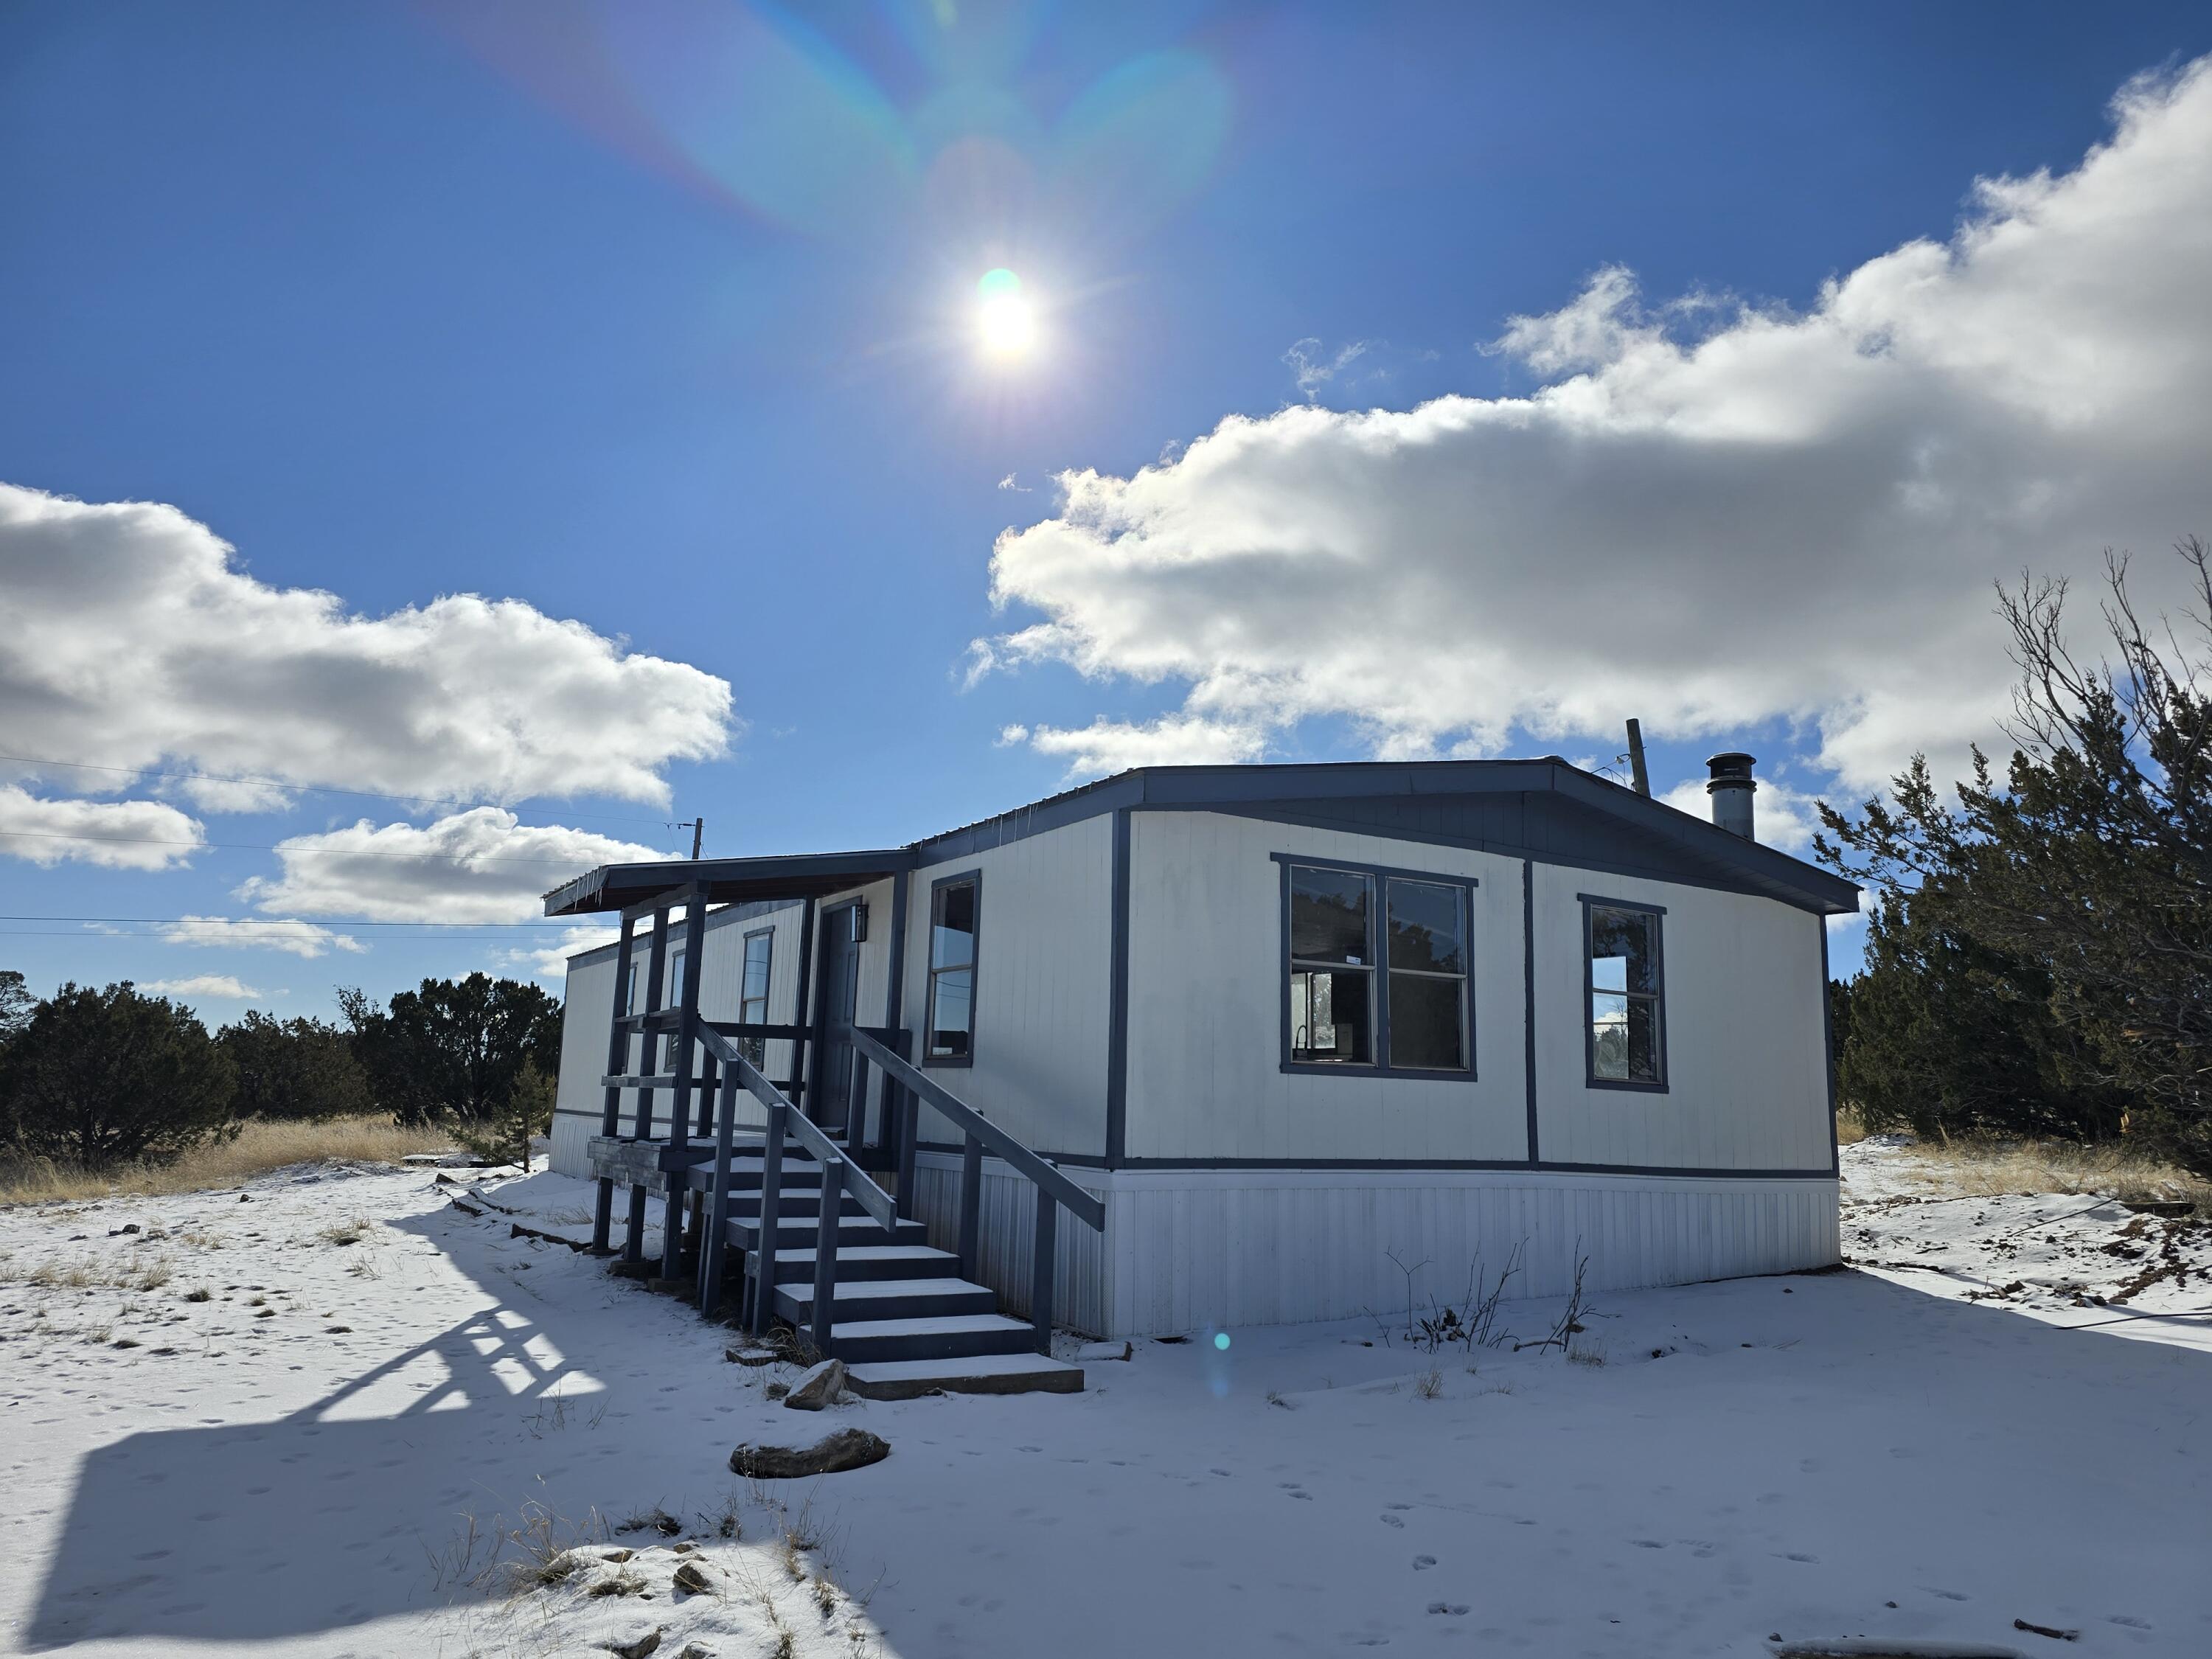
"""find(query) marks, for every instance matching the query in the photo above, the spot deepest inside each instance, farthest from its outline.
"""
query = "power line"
(206, 923)
(300, 788)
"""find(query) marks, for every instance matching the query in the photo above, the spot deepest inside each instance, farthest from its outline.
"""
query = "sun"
(1005, 321)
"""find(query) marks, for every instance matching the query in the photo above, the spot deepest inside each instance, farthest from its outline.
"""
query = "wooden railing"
(1055, 1191)
(840, 1176)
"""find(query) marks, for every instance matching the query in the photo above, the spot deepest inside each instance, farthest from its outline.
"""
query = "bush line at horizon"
(109, 1086)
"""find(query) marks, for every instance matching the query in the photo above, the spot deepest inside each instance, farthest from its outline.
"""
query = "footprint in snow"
(1217, 1471)
(1423, 1563)
(2128, 1620)
(1794, 1555)
(1391, 1521)
(1647, 1543)
(1452, 1609)
(1948, 1596)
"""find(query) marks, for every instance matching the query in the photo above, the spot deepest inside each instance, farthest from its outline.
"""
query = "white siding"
(1205, 1006)
(1746, 1042)
(1185, 1250)
(1043, 980)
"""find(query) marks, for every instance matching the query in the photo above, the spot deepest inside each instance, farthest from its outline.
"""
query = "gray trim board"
(1117, 1006)
(1505, 1165)
(1529, 993)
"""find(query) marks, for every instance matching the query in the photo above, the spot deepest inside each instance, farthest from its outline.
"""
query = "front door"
(841, 986)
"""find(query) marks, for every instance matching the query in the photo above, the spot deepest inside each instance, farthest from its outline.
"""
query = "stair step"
(852, 1230)
(952, 1336)
(887, 1299)
(1001, 1373)
(868, 1262)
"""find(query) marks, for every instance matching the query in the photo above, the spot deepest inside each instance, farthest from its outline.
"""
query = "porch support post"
(679, 1105)
(603, 1205)
(649, 1058)
(887, 1131)
(803, 1016)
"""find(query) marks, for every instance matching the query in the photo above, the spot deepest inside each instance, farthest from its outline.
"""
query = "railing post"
(763, 1289)
(603, 1205)
(971, 1209)
(1041, 1270)
(907, 1129)
(713, 1248)
(825, 1256)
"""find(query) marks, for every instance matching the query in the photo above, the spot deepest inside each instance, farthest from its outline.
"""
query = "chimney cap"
(1731, 769)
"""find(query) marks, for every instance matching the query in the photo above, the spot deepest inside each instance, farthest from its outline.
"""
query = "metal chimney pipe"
(1730, 787)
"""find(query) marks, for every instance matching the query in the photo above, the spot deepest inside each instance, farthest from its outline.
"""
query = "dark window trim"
(1380, 874)
(1591, 1079)
(930, 970)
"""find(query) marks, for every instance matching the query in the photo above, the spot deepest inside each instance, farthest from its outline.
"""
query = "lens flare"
(1004, 319)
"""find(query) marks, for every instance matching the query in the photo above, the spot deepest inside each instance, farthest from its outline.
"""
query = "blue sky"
(659, 319)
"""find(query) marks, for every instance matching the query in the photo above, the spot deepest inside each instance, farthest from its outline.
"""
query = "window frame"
(756, 1048)
(1592, 902)
(931, 971)
(1379, 922)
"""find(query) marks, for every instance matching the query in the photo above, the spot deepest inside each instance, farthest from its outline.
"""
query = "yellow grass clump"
(1991, 1168)
(258, 1148)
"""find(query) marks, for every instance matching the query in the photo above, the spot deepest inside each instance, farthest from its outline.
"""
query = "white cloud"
(482, 865)
(199, 984)
(1724, 516)
(1313, 369)
(117, 835)
(292, 936)
(551, 961)
(130, 636)
(1106, 746)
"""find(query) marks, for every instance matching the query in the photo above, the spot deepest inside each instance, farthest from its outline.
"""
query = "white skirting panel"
(1187, 1249)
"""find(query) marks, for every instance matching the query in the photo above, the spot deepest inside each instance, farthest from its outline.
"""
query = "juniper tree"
(2080, 879)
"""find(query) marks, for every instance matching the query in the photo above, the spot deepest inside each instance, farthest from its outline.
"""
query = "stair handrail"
(1084, 1206)
(799, 1127)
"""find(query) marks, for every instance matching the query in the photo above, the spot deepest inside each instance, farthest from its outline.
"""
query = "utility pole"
(1635, 760)
(698, 829)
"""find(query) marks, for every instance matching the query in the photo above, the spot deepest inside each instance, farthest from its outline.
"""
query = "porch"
(791, 1201)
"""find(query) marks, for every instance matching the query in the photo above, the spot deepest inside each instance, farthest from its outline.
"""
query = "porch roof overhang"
(725, 881)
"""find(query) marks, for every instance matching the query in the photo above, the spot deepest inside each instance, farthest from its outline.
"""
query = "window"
(1627, 992)
(1428, 976)
(752, 995)
(1349, 1005)
(1331, 967)
(952, 1012)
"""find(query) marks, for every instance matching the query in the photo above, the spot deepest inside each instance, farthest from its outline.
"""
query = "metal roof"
(1247, 788)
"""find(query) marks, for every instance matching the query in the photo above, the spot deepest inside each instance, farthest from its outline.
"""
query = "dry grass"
(257, 1149)
(1992, 1168)
(1851, 1128)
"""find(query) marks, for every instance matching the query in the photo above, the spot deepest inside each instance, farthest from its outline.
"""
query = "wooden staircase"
(779, 1219)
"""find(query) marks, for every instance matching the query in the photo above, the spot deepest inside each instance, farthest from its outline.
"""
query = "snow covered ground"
(312, 1422)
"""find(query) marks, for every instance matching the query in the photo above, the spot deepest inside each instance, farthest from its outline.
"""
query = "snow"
(1760, 1464)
